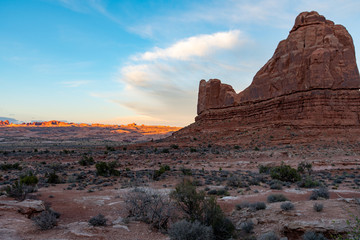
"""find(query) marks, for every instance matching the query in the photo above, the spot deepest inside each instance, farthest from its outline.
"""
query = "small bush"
(29, 179)
(264, 169)
(242, 205)
(269, 236)
(98, 220)
(257, 206)
(320, 193)
(287, 206)
(285, 173)
(313, 236)
(158, 173)
(184, 230)
(86, 161)
(276, 184)
(247, 226)
(196, 207)
(18, 190)
(308, 182)
(106, 169)
(318, 207)
(276, 198)
(186, 171)
(53, 178)
(9, 166)
(304, 167)
(151, 207)
(174, 146)
(234, 181)
(45, 220)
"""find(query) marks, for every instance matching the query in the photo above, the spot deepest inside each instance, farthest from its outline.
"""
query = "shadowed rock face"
(316, 56)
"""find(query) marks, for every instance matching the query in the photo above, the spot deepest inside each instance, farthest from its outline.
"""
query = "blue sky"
(135, 60)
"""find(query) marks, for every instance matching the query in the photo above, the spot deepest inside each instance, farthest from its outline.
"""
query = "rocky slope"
(311, 82)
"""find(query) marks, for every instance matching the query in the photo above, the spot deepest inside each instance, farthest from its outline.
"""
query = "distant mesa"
(312, 80)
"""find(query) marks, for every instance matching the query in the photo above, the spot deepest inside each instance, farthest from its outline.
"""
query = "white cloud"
(196, 46)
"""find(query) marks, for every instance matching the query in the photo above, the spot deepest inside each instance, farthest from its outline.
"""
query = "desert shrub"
(322, 192)
(29, 179)
(18, 190)
(242, 205)
(86, 161)
(234, 181)
(174, 146)
(98, 220)
(158, 173)
(193, 150)
(318, 207)
(313, 236)
(197, 207)
(287, 206)
(269, 236)
(186, 171)
(110, 148)
(285, 173)
(45, 220)
(247, 226)
(165, 150)
(304, 167)
(276, 184)
(308, 182)
(9, 166)
(257, 206)
(53, 178)
(276, 198)
(106, 169)
(264, 169)
(184, 230)
(150, 206)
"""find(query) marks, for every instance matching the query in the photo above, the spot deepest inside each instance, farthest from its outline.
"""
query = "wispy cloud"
(162, 84)
(74, 84)
(89, 6)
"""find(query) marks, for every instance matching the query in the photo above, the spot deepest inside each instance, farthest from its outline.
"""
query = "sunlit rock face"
(312, 79)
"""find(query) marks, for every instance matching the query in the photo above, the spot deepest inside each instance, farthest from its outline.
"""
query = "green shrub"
(18, 190)
(106, 169)
(29, 179)
(158, 173)
(185, 230)
(308, 182)
(285, 173)
(276, 198)
(174, 146)
(305, 167)
(264, 169)
(9, 166)
(165, 150)
(197, 207)
(53, 178)
(257, 206)
(86, 161)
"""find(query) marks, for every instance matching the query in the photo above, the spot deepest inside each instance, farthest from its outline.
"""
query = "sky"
(125, 61)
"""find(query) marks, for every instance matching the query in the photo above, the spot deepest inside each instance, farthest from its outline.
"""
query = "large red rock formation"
(311, 83)
(312, 75)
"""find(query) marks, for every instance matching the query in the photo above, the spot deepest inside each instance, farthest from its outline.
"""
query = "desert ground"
(233, 173)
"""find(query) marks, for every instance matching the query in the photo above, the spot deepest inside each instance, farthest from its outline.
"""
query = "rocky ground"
(229, 172)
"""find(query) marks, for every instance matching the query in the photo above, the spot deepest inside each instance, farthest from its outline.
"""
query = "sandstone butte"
(310, 83)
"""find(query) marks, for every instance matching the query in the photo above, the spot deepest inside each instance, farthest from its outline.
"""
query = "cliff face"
(312, 79)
